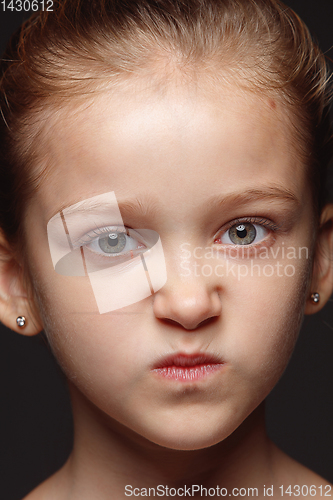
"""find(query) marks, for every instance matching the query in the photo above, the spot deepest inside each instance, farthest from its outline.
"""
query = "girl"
(163, 166)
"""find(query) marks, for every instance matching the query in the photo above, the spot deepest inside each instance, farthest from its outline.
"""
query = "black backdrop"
(35, 419)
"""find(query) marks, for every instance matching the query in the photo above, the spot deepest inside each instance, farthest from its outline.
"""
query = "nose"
(187, 304)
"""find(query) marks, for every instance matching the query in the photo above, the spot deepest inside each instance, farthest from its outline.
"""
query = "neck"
(109, 456)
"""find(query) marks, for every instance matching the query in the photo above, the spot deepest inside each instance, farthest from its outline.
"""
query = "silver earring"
(315, 297)
(21, 321)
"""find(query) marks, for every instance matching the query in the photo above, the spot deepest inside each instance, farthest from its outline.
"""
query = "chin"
(188, 445)
(183, 436)
(192, 441)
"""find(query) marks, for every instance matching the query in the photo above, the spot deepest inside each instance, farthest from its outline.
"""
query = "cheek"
(266, 324)
(100, 354)
(74, 327)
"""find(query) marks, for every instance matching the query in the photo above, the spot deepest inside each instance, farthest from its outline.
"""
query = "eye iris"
(112, 243)
(242, 234)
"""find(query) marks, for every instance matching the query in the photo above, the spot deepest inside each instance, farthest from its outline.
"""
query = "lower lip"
(188, 373)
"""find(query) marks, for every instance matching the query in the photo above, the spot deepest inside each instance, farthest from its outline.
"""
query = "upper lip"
(183, 359)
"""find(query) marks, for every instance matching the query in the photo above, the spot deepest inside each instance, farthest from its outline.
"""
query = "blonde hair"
(84, 46)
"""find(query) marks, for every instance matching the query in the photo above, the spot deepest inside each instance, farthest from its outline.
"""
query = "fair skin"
(191, 158)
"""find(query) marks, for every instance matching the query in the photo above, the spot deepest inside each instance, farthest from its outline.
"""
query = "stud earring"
(315, 297)
(21, 321)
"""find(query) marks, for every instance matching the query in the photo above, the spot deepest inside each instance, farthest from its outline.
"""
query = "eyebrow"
(135, 207)
(274, 193)
(145, 206)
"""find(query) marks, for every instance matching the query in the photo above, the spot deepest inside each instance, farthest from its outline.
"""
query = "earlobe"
(14, 300)
(322, 275)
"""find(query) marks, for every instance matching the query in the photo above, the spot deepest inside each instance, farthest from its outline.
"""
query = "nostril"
(199, 325)
(207, 320)
(171, 321)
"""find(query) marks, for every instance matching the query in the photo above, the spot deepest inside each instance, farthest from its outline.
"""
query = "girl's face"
(213, 173)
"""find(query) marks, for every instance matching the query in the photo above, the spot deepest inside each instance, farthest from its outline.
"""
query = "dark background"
(35, 419)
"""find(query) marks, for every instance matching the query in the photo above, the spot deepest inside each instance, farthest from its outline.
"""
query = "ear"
(322, 275)
(14, 299)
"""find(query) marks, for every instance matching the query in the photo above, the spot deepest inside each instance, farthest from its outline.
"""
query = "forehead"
(179, 145)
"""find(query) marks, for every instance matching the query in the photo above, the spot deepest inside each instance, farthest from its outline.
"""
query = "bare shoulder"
(41, 492)
(45, 491)
(297, 480)
(38, 493)
(53, 488)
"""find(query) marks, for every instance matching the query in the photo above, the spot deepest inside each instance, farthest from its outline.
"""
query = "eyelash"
(95, 233)
(261, 221)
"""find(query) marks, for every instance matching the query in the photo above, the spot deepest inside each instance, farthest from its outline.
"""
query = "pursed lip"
(187, 367)
(186, 360)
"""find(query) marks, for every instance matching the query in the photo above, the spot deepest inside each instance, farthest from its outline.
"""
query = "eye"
(244, 233)
(114, 242)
